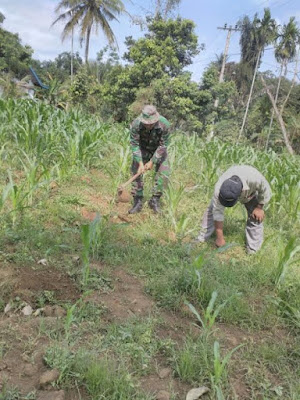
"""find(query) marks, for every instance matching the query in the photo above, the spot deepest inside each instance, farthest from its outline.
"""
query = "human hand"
(149, 165)
(258, 214)
(141, 168)
(220, 242)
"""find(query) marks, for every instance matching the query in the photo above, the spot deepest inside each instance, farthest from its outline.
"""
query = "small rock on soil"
(164, 373)
(51, 395)
(195, 394)
(163, 395)
(54, 311)
(49, 377)
(30, 370)
(27, 310)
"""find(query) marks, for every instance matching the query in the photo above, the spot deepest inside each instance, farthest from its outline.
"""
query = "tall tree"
(285, 52)
(165, 7)
(167, 48)
(256, 35)
(161, 54)
(88, 14)
(15, 58)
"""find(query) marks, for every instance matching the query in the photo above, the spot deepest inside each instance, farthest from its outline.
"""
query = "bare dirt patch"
(29, 282)
(22, 361)
(128, 297)
(153, 385)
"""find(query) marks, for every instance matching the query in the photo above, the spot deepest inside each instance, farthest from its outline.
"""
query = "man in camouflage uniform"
(149, 137)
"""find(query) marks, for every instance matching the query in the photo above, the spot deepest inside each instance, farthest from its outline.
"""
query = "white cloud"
(32, 21)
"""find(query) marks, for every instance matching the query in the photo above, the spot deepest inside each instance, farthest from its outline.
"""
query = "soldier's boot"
(154, 204)
(137, 205)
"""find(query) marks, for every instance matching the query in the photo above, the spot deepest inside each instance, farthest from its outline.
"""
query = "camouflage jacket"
(153, 143)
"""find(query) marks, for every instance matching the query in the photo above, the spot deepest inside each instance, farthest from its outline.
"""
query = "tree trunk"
(279, 118)
(276, 98)
(72, 55)
(250, 94)
(221, 79)
(293, 82)
(158, 8)
(88, 34)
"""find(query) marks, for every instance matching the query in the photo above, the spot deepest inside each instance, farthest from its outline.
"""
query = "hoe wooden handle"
(133, 178)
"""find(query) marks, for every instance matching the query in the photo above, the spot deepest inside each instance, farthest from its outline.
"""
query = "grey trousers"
(254, 229)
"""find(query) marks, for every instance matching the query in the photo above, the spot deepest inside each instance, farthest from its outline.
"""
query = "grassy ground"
(131, 307)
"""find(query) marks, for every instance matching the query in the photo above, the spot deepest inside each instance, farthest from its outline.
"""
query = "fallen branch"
(279, 117)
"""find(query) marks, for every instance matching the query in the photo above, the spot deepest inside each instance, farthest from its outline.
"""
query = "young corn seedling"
(5, 193)
(68, 321)
(121, 166)
(220, 369)
(180, 223)
(91, 238)
(86, 241)
(291, 313)
(210, 313)
(292, 202)
(19, 197)
(195, 268)
(286, 260)
(34, 172)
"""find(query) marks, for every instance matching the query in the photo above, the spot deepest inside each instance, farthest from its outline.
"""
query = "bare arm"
(220, 241)
(258, 213)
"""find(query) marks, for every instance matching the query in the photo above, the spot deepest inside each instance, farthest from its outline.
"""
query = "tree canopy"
(14, 56)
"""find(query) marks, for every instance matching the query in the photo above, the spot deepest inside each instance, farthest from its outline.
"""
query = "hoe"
(123, 195)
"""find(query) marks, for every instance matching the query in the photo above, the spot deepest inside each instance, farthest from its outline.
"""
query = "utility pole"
(72, 51)
(229, 29)
(72, 54)
(221, 76)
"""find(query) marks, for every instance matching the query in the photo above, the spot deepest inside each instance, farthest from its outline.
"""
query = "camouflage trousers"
(162, 174)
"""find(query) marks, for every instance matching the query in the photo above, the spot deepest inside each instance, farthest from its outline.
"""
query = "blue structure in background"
(36, 80)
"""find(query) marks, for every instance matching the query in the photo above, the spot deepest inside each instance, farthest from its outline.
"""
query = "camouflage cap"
(149, 115)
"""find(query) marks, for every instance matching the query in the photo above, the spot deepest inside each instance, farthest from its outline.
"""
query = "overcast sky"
(32, 19)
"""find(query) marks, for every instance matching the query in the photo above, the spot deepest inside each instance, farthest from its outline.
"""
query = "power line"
(277, 67)
(276, 4)
(229, 55)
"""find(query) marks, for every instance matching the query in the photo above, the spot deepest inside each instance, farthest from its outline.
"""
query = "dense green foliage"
(14, 57)
(59, 68)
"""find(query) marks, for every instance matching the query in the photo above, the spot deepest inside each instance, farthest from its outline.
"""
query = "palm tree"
(256, 35)
(285, 52)
(88, 14)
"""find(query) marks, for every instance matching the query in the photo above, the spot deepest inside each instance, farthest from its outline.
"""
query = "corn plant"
(34, 174)
(180, 223)
(119, 169)
(69, 321)
(210, 313)
(286, 259)
(86, 240)
(289, 312)
(220, 369)
(5, 193)
(195, 268)
(19, 196)
(91, 238)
